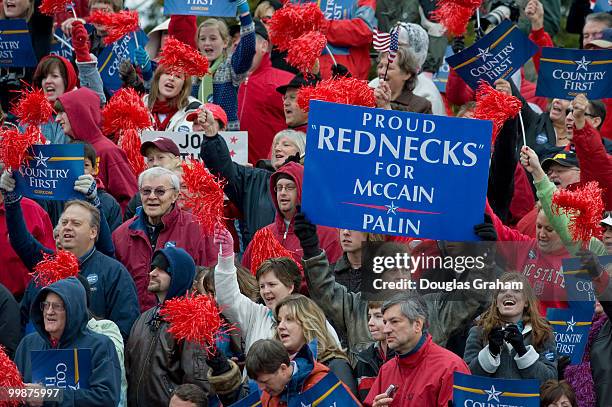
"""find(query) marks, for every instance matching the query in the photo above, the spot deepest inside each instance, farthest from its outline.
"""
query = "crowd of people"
(298, 317)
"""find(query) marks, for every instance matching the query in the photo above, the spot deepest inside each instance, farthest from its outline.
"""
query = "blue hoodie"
(181, 270)
(105, 377)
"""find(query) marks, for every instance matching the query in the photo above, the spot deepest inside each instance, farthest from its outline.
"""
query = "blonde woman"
(226, 69)
(300, 321)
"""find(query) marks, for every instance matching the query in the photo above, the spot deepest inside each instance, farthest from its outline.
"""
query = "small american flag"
(394, 44)
(381, 41)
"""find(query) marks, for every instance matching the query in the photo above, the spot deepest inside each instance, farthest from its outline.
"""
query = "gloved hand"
(307, 233)
(129, 77)
(80, 42)
(340, 70)
(243, 7)
(515, 338)
(590, 262)
(458, 44)
(224, 238)
(496, 340)
(486, 231)
(141, 59)
(86, 184)
(293, 158)
(217, 361)
(7, 182)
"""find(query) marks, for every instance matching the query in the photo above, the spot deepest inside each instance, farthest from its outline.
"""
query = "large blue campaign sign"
(50, 172)
(470, 390)
(16, 44)
(328, 392)
(111, 57)
(497, 55)
(441, 77)
(210, 8)
(397, 173)
(578, 282)
(571, 327)
(564, 73)
(63, 368)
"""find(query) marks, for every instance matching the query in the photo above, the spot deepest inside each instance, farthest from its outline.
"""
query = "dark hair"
(375, 304)
(285, 269)
(191, 392)
(598, 109)
(266, 356)
(553, 390)
(88, 151)
(45, 67)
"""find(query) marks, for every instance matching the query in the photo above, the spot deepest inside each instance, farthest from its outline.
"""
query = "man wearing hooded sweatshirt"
(60, 316)
(286, 192)
(80, 117)
(155, 361)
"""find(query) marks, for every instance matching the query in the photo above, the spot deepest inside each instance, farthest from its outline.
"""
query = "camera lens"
(496, 16)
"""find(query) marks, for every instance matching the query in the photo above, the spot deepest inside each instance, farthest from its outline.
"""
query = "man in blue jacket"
(59, 315)
(113, 290)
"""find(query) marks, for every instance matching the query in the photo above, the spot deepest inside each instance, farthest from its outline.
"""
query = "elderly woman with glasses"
(159, 223)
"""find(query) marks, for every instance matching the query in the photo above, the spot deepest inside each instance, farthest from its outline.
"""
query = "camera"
(506, 332)
(500, 10)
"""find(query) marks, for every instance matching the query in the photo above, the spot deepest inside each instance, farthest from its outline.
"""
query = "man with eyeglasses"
(159, 223)
(606, 223)
(286, 191)
(82, 231)
(60, 316)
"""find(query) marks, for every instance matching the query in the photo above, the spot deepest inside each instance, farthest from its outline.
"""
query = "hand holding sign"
(503, 86)
(590, 262)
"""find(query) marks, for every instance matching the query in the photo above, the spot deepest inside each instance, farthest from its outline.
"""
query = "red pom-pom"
(204, 197)
(304, 51)
(584, 206)
(494, 105)
(194, 319)
(129, 142)
(179, 58)
(50, 7)
(454, 15)
(125, 110)
(264, 247)
(10, 377)
(116, 25)
(55, 267)
(292, 21)
(348, 91)
(14, 145)
(33, 108)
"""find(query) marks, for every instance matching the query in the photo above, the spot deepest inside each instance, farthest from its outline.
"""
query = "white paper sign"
(189, 143)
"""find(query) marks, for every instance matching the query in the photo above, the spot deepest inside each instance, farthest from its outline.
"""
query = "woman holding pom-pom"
(397, 81)
(227, 70)
(170, 102)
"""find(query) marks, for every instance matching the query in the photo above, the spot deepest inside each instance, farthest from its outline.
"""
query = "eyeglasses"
(281, 188)
(159, 192)
(45, 305)
(568, 111)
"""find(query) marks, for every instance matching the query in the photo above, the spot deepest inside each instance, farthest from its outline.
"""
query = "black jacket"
(248, 188)
(347, 275)
(367, 367)
(601, 354)
(10, 326)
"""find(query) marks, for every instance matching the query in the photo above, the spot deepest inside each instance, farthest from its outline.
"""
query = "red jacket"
(423, 378)
(83, 109)
(133, 249)
(14, 275)
(606, 129)
(543, 270)
(350, 41)
(260, 107)
(329, 238)
(595, 162)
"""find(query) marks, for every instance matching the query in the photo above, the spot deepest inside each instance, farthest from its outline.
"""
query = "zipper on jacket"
(153, 342)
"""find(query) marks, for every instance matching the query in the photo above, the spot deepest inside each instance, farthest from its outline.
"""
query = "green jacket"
(448, 312)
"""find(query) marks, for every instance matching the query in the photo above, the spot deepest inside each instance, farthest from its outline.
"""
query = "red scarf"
(162, 108)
